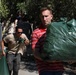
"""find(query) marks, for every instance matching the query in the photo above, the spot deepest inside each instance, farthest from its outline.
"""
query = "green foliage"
(21, 7)
(64, 8)
(61, 8)
(4, 11)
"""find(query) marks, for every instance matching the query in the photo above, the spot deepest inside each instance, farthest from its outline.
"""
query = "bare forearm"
(2, 45)
(37, 54)
(27, 42)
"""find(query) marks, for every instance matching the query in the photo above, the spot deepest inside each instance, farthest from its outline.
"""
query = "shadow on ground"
(28, 61)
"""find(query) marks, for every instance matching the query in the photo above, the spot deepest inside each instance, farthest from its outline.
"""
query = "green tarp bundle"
(3, 66)
(60, 42)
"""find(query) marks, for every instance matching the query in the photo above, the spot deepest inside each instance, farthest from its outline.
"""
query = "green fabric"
(21, 40)
(3, 66)
(60, 42)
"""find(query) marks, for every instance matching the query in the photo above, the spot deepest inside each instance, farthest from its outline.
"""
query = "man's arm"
(2, 46)
(37, 54)
(26, 40)
(35, 46)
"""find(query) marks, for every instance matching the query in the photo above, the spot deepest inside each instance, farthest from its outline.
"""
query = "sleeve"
(34, 41)
(6, 39)
(24, 37)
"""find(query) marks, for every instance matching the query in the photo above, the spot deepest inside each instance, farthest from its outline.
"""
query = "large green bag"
(60, 42)
(3, 66)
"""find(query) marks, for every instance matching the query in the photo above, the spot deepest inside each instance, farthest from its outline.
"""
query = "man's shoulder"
(23, 34)
(9, 35)
(36, 30)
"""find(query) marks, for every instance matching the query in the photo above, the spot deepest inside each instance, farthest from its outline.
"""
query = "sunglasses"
(19, 32)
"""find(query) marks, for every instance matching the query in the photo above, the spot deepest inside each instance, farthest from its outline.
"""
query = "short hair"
(18, 27)
(46, 8)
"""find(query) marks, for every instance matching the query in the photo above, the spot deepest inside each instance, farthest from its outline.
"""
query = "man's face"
(46, 17)
(19, 32)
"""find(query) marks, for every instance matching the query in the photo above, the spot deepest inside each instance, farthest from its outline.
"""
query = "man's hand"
(3, 53)
(37, 54)
(27, 42)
